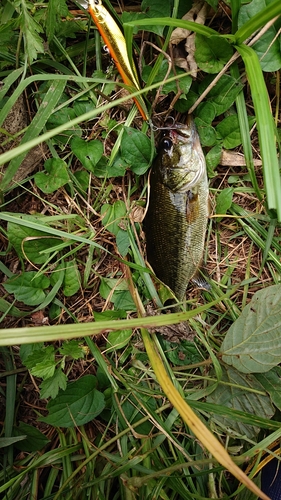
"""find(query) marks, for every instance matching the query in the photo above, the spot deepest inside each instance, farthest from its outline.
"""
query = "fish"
(116, 44)
(177, 215)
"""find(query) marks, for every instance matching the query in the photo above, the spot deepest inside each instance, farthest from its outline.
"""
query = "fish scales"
(177, 215)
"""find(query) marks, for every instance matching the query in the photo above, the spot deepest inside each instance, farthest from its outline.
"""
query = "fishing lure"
(116, 44)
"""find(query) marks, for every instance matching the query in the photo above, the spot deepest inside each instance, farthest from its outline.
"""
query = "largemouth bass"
(177, 215)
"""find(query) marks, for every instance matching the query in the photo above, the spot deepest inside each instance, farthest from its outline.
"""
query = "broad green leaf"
(50, 386)
(118, 339)
(118, 167)
(126, 17)
(268, 47)
(34, 440)
(229, 131)
(156, 8)
(212, 159)
(212, 53)
(206, 111)
(136, 150)
(110, 314)
(224, 201)
(72, 278)
(64, 115)
(77, 405)
(237, 395)
(56, 176)
(183, 353)
(123, 242)
(112, 216)
(11, 440)
(206, 132)
(28, 287)
(29, 243)
(118, 292)
(223, 94)
(253, 342)
(82, 177)
(88, 152)
(271, 383)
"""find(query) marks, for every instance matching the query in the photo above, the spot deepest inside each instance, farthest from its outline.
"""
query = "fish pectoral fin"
(200, 279)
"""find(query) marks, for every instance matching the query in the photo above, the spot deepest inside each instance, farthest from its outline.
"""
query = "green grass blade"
(44, 112)
(245, 135)
(266, 128)
(257, 21)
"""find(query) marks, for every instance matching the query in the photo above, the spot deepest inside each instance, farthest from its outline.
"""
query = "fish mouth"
(196, 179)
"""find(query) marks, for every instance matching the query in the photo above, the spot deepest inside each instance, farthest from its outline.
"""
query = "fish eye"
(97, 2)
(166, 143)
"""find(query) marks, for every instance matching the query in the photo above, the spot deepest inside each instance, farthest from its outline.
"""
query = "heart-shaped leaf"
(253, 342)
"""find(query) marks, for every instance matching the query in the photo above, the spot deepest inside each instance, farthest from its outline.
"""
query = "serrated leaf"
(55, 9)
(77, 405)
(31, 30)
(72, 278)
(118, 339)
(224, 201)
(34, 439)
(27, 350)
(29, 243)
(223, 94)
(50, 386)
(234, 395)
(44, 370)
(112, 215)
(136, 150)
(28, 287)
(253, 342)
(56, 176)
(268, 47)
(41, 361)
(212, 53)
(72, 348)
(88, 152)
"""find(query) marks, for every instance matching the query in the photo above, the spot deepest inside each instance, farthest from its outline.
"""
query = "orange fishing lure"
(115, 41)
